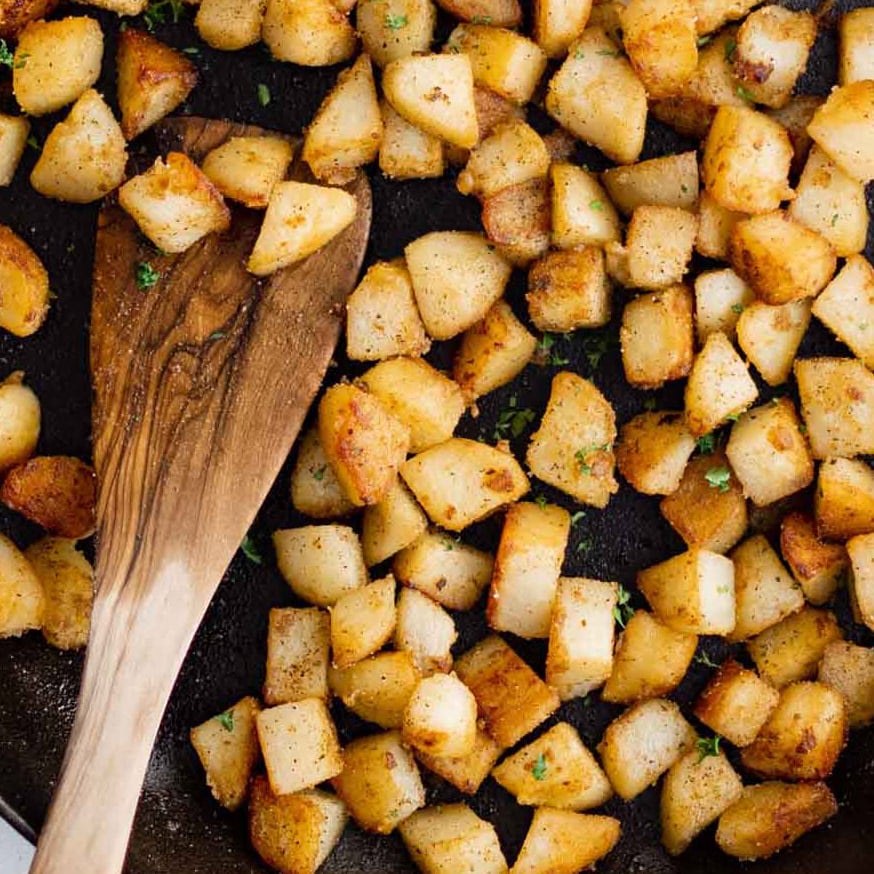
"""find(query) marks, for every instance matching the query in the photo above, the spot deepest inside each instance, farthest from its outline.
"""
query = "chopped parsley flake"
(597, 205)
(545, 348)
(227, 720)
(263, 94)
(719, 478)
(704, 659)
(703, 40)
(708, 746)
(623, 611)
(158, 12)
(737, 308)
(319, 473)
(582, 456)
(541, 501)
(7, 57)
(730, 48)
(578, 517)
(538, 772)
(513, 420)
(250, 550)
(706, 444)
(395, 22)
(481, 19)
(217, 335)
(744, 94)
(146, 276)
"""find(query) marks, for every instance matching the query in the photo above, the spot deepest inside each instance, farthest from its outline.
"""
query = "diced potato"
(380, 782)
(720, 298)
(119, 7)
(227, 746)
(668, 181)
(377, 689)
(719, 386)
(174, 203)
(692, 592)
(517, 220)
(15, 16)
(771, 816)
(58, 492)
(605, 14)
(55, 62)
(247, 168)
(661, 41)
(14, 130)
(83, 158)
(746, 160)
(768, 453)
(582, 214)
(391, 525)
(406, 152)
(67, 581)
(861, 551)
(659, 245)
(230, 25)
(19, 409)
(844, 128)
(300, 219)
(846, 307)
(770, 336)
(715, 224)
(298, 641)
(803, 736)
(578, 661)
(424, 630)
(712, 14)
(792, 649)
(22, 601)
(452, 837)
(653, 451)
(440, 717)
(447, 570)
(696, 792)
(512, 700)
(736, 703)
(844, 499)
(24, 306)
(462, 481)
(597, 96)
(465, 773)
(294, 833)
(299, 744)
(377, 22)
(315, 490)
(563, 842)
(849, 669)
(816, 565)
(526, 570)
(320, 562)
(636, 674)
(573, 448)
(837, 402)
(362, 622)
(831, 203)
(557, 23)
(313, 33)
(641, 744)
(492, 110)
(856, 59)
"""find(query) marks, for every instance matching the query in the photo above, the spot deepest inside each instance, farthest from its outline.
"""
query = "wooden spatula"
(201, 384)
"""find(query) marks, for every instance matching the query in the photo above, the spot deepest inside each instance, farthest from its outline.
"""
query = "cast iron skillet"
(179, 827)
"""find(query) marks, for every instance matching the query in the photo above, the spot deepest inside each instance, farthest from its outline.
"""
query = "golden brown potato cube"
(831, 203)
(23, 308)
(55, 62)
(715, 224)
(746, 160)
(721, 296)
(294, 833)
(769, 454)
(313, 33)
(365, 444)
(803, 736)
(772, 816)
(450, 572)
(844, 128)
(230, 25)
(696, 790)
(861, 551)
(57, 492)
(844, 499)
(770, 336)
(771, 52)
(816, 565)
(440, 717)
(452, 837)
(83, 157)
(573, 448)
(653, 451)
(461, 481)
(597, 96)
(15, 16)
(527, 567)
(22, 601)
(719, 386)
(856, 58)
(14, 130)
(736, 703)
(424, 630)
(837, 402)
(661, 41)
(582, 214)
(668, 181)
(517, 220)
(792, 649)
(247, 168)
(492, 352)
(708, 508)
(19, 414)
(712, 14)
(846, 307)
(362, 622)
(457, 276)
(227, 746)
(850, 670)
(392, 29)
(153, 79)
(377, 688)
(659, 245)
(174, 203)
(315, 490)
(406, 152)
(692, 592)
(512, 700)
(298, 641)
(641, 744)
(67, 581)
(605, 14)
(391, 525)
(636, 674)
(563, 842)
(580, 655)
(557, 23)
(465, 773)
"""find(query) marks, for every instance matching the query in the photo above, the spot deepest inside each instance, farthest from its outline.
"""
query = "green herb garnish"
(545, 348)
(577, 517)
(263, 94)
(541, 501)
(159, 11)
(250, 550)
(597, 205)
(744, 94)
(7, 56)
(708, 746)
(217, 335)
(146, 276)
(730, 48)
(319, 473)
(704, 659)
(623, 611)
(737, 308)
(514, 420)
(596, 346)
(538, 771)
(706, 444)
(481, 19)
(582, 455)
(719, 478)
(227, 720)
(33, 142)
(703, 40)
(395, 22)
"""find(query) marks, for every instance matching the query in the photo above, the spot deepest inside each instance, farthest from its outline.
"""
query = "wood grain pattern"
(201, 384)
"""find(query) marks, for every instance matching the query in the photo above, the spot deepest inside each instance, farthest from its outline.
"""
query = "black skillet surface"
(179, 828)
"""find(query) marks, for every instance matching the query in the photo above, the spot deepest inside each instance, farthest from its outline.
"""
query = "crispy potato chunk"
(406, 152)
(720, 298)
(15, 15)
(849, 669)
(121, 7)
(653, 450)
(14, 130)
(427, 632)
(846, 307)
(861, 551)
(22, 600)
(659, 245)
(230, 25)
(465, 773)
(770, 336)
(563, 842)
(557, 23)
(298, 641)
(816, 565)
(712, 14)
(844, 128)
(391, 525)
(247, 168)
(856, 59)
(517, 219)
(668, 181)
(582, 214)
(19, 416)
(315, 490)
(24, 305)
(844, 499)
(312, 33)
(440, 717)
(715, 224)
(227, 746)
(362, 621)
(383, 40)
